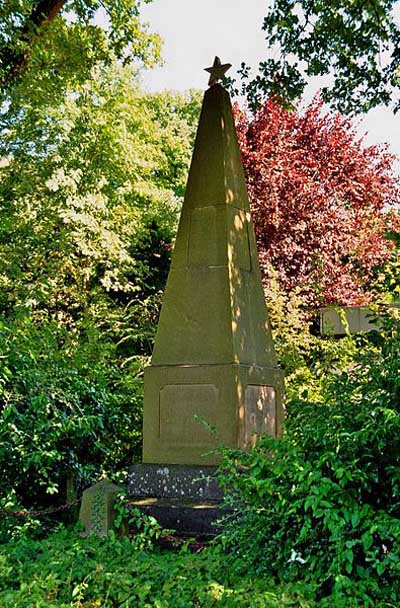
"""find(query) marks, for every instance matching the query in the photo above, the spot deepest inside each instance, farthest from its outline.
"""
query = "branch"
(12, 62)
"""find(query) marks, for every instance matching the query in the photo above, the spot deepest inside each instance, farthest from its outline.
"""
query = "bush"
(322, 505)
(64, 412)
(306, 359)
(66, 571)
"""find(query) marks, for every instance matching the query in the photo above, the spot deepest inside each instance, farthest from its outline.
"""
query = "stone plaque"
(260, 412)
(185, 412)
(203, 241)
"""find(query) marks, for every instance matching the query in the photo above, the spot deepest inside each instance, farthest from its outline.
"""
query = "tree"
(356, 42)
(92, 173)
(90, 189)
(81, 183)
(64, 38)
(322, 202)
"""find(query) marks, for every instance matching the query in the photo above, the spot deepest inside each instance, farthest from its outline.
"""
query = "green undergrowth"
(322, 504)
(65, 570)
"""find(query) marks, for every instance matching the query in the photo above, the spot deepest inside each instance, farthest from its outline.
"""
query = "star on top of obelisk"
(217, 71)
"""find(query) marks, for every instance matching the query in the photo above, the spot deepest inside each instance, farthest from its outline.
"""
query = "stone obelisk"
(213, 379)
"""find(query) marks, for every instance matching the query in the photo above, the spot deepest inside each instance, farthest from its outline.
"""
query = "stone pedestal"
(183, 498)
(192, 410)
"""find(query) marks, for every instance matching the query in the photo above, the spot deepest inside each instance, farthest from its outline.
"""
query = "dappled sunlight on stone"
(213, 358)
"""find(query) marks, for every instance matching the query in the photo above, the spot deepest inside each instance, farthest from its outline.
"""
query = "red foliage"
(322, 202)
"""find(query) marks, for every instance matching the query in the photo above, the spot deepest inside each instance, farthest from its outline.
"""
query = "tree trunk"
(12, 62)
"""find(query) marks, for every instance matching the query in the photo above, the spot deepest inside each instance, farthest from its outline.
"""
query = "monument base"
(191, 411)
(187, 499)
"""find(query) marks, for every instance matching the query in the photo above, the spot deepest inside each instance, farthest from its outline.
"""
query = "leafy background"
(92, 175)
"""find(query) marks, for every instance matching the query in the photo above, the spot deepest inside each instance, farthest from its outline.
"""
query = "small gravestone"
(213, 379)
(97, 513)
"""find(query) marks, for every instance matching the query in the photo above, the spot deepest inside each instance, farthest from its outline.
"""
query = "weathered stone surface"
(97, 512)
(226, 420)
(187, 499)
(189, 518)
(213, 380)
(358, 319)
(260, 404)
(174, 481)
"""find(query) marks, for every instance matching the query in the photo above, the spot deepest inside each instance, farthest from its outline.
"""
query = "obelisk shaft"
(213, 361)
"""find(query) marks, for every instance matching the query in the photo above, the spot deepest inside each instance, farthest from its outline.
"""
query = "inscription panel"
(185, 412)
(203, 241)
(260, 412)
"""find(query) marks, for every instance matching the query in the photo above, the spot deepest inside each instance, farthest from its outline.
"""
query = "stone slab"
(358, 318)
(97, 512)
(188, 518)
(174, 482)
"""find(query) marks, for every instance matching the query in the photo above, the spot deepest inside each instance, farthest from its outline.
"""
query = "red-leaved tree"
(322, 201)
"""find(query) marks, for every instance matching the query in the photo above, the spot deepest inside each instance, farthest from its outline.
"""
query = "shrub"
(322, 505)
(63, 412)
(306, 359)
(65, 571)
